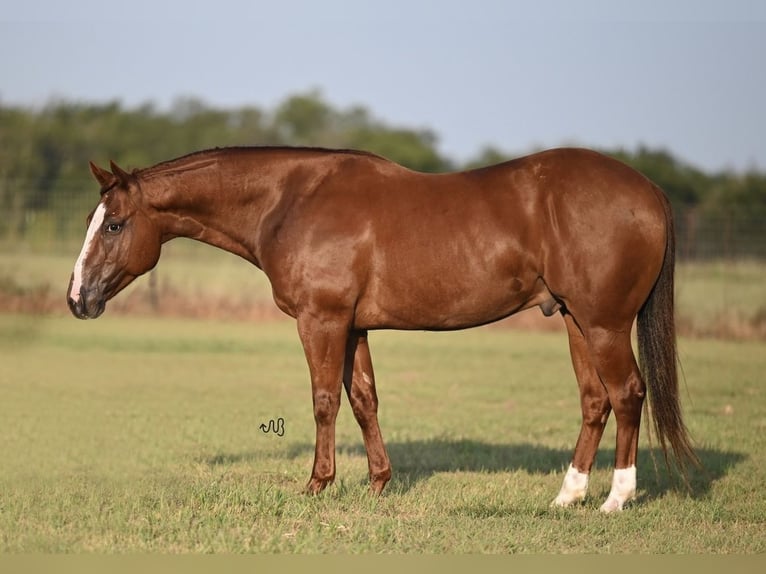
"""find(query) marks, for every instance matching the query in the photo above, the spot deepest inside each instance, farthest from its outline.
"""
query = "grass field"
(138, 434)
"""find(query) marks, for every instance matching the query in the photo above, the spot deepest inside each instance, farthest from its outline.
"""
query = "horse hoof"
(611, 505)
(317, 485)
(566, 501)
(378, 481)
(377, 486)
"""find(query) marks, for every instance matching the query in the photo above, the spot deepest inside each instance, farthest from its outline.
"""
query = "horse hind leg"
(616, 365)
(594, 402)
(359, 381)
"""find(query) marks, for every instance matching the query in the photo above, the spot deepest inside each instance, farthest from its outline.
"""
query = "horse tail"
(658, 358)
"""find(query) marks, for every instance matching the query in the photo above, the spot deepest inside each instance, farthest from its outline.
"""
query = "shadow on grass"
(418, 460)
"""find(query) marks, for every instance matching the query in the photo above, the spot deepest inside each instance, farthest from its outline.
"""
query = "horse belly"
(431, 297)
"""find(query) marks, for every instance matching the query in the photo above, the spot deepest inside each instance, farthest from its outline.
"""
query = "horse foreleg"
(359, 381)
(324, 342)
(594, 402)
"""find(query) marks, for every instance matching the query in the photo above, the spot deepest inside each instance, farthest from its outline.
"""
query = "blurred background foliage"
(46, 189)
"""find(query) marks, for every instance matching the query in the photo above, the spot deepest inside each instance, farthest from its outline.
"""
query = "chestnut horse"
(352, 242)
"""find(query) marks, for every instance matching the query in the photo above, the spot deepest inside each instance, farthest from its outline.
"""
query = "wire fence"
(719, 236)
(700, 236)
(719, 286)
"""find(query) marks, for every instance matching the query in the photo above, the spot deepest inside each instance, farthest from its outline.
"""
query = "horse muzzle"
(86, 304)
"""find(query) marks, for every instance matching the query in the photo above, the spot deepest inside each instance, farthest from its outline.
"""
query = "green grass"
(128, 435)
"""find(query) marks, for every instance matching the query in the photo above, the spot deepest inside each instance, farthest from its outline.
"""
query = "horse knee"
(326, 406)
(364, 405)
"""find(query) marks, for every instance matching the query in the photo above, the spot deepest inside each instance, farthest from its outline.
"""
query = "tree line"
(44, 154)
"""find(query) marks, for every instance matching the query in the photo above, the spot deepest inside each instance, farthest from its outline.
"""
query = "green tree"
(304, 119)
(684, 184)
(44, 156)
(488, 155)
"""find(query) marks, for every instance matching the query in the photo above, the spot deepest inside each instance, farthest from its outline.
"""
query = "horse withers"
(352, 242)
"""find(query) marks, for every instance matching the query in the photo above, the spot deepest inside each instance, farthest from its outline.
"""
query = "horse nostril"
(77, 306)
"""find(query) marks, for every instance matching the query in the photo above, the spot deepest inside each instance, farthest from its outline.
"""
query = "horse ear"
(122, 175)
(102, 176)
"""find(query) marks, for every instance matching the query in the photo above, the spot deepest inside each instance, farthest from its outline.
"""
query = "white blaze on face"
(95, 225)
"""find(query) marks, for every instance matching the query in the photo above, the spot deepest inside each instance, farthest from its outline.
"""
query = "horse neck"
(219, 203)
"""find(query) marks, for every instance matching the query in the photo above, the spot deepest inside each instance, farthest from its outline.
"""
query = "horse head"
(122, 242)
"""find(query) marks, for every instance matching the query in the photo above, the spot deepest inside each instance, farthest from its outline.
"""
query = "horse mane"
(208, 157)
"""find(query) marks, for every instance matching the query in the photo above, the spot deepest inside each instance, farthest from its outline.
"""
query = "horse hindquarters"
(626, 384)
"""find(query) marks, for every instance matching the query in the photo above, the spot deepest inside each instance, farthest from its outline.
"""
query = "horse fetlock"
(379, 480)
(623, 489)
(377, 485)
(317, 485)
(574, 489)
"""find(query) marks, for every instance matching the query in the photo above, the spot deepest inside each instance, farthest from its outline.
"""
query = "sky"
(688, 76)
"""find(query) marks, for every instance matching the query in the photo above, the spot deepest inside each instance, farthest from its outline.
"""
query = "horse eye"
(113, 227)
